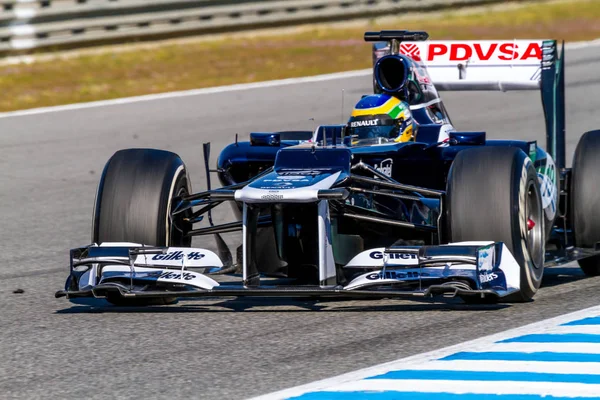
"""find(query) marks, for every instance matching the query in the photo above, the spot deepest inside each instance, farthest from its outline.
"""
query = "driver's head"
(381, 116)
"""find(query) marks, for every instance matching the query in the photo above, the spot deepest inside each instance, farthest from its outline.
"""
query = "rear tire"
(492, 192)
(585, 198)
(133, 203)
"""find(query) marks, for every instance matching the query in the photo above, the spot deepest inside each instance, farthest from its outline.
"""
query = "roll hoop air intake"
(390, 73)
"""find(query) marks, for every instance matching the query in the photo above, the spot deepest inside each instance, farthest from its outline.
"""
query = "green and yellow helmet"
(381, 116)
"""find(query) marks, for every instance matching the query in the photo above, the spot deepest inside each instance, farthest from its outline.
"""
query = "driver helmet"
(381, 116)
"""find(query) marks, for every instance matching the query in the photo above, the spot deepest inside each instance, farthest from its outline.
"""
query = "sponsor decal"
(504, 51)
(178, 255)
(396, 275)
(276, 186)
(485, 259)
(411, 50)
(378, 255)
(385, 167)
(486, 277)
(533, 151)
(303, 172)
(187, 276)
(549, 192)
(372, 122)
(422, 76)
(375, 258)
(382, 52)
(271, 197)
(195, 255)
(285, 182)
(498, 51)
(285, 178)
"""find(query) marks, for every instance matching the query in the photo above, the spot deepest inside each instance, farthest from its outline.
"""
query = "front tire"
(134, 203)
(492, 194)
(585, 198)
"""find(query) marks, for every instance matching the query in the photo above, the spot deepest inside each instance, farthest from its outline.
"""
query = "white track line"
(581, 45)
(589, 348)
(481, 344)
(187, 93)
(587, 329)
(223, 89)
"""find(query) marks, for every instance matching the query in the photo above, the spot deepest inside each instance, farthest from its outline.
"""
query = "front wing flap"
(478, 266)
(465, 269)
(134, 265)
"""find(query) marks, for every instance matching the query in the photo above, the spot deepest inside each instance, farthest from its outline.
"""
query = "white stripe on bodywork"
(423, 105)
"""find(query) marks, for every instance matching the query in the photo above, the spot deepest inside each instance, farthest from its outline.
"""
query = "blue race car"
(396, 203)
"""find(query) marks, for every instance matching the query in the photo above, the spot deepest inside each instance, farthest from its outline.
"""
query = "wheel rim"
(534, 225)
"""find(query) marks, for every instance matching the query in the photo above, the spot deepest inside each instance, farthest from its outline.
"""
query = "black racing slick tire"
(492, 193)
(134, 202)
(585, 198)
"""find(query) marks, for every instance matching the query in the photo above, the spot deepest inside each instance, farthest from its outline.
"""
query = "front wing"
(129, 271)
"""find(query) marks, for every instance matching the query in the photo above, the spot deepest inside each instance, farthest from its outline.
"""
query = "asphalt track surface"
(222, 348)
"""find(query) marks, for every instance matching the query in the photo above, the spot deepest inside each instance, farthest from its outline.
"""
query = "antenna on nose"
(342, 119)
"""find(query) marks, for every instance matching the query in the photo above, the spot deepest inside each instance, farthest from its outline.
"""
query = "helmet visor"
(372, 132)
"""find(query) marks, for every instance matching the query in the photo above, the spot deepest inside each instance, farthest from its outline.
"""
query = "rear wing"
(490, 65)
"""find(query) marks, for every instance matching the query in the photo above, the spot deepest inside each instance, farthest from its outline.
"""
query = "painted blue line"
(388, 395)
(585, 321)
(509, 356)
(554, 338)
(489, 376)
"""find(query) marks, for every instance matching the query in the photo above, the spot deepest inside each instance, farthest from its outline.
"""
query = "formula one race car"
(448, 213)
